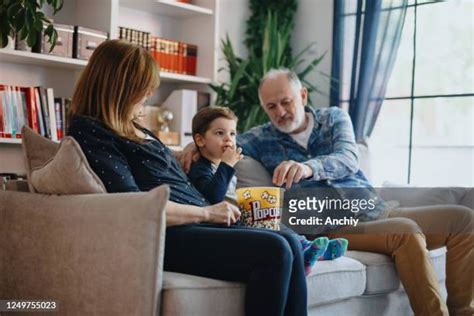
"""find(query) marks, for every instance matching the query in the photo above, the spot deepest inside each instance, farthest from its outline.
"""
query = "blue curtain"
(366, 37)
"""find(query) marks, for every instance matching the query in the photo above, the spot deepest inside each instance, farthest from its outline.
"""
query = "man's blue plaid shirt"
(331, 153)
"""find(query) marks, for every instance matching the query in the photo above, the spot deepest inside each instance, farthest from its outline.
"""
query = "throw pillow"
(65, 172)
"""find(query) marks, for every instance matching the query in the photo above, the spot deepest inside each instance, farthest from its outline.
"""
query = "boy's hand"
(231, 155)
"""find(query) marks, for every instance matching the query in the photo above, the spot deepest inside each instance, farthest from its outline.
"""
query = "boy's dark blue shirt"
(213, 185)
(127, 166)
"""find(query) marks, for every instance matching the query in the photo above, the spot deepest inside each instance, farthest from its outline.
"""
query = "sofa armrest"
(94, 254)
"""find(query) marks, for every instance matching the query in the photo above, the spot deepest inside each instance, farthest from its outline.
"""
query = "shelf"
(10, 141)
(177, 78)
(22, 57)
(29, 58)
(167, 7)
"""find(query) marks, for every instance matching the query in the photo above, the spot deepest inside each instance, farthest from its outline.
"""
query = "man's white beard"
(293, 125)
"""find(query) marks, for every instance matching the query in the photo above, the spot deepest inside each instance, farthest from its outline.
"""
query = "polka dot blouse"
(126, 166)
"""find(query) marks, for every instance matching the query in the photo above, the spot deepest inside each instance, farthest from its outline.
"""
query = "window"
(424, 134)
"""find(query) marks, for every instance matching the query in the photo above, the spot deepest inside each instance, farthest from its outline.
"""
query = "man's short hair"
(292, 77)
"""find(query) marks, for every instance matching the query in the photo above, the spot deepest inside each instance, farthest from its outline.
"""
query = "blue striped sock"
(305, 243)
(311, 255)
(336, 248)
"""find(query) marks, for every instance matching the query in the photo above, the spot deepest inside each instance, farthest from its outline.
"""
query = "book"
(52, 113)
(41, 123)
(45, 111)
(35, 107)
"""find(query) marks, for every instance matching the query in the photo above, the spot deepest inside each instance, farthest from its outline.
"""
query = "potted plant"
(268, 42)
(25, 20)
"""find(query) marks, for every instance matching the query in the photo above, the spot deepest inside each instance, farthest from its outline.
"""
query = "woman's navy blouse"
(124, 165)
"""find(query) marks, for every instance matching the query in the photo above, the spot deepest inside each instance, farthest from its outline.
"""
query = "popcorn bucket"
(260, 207)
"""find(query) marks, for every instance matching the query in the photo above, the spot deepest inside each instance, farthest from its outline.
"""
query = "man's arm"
(343, 161)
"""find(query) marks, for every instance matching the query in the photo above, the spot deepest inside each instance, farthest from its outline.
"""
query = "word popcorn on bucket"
(261, 207)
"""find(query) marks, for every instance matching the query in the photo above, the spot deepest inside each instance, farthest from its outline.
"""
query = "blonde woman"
(201, 239)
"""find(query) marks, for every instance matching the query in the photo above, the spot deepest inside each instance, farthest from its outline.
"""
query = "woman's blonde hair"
(117, 77)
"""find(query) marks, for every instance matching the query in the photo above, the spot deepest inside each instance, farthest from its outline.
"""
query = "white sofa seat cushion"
(335, 280)
(185, 294)
(381, 274)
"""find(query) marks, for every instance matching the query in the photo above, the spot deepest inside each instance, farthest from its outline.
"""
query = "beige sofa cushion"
(329, 281)
(96, 254)
(250, 173)
(58, 168)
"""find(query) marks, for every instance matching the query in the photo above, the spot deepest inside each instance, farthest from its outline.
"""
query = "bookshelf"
(194, 23)
(28, 58)
(10, 141)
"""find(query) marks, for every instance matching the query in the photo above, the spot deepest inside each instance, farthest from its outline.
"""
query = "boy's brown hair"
(203, 119)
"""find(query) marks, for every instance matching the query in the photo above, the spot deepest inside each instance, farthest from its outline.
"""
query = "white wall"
(313, 23)
(232, 18)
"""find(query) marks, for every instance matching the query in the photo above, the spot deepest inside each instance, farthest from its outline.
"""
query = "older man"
(302, 147)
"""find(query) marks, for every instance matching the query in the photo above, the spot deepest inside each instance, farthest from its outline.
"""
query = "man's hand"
(187, 156)
(232, 155)
(222, 213)
(290, 172)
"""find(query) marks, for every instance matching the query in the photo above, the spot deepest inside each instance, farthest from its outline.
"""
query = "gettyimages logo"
(317, 210)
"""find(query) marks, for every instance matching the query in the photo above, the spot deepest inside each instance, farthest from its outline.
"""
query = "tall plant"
(241, 92)
(284, 10)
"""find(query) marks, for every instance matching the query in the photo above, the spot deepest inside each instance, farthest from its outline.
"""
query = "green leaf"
(53, 39)
(31, 40)
(29, 20)
(23, 33)
(312, 65)
(236, 79)
(18, 21)
(3, 40)
(38, 22)
(57, 5)
(13, 10)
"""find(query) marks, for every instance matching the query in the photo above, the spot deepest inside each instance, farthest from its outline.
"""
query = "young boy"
(214, 133)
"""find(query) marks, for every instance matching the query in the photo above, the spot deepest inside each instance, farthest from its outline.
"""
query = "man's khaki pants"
(406, 235)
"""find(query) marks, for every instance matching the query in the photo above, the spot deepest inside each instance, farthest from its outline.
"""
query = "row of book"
(33, 106)
(172, 56)
(137, 37)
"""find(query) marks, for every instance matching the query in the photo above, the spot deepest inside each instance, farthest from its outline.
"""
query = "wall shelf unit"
(10, 141)
(194, 23)
(28, 58)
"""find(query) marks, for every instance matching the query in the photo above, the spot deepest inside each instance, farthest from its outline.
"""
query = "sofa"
(102, 254)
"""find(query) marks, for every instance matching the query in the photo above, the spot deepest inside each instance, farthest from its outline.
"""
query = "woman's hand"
(187, 156)
(222, 213)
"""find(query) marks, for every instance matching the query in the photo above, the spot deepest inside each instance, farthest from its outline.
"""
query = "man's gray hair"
(274, 73)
